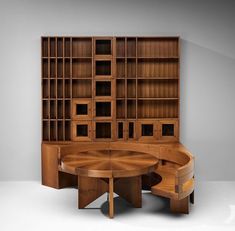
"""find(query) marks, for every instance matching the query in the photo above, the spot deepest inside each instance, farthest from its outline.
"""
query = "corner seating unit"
(173, 178)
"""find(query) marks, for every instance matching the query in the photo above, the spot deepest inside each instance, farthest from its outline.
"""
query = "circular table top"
(109, 163)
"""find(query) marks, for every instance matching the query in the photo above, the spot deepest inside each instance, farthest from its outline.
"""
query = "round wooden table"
(101, 171)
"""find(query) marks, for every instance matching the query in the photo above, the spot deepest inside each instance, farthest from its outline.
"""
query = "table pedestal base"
(91, 188)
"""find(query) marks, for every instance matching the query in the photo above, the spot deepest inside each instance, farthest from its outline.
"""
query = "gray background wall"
(207, 29)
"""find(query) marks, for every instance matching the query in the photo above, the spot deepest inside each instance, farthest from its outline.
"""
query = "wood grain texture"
(109, 163)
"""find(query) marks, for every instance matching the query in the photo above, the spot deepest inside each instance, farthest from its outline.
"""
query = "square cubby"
(103, 46)
(81, 130)
(103, 67)
(147, 130)
(103, 108)
(168, 129)
(103, 130)
(81, 109)
(103, 88)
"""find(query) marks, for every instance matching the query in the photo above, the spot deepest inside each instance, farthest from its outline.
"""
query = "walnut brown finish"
(110, 119)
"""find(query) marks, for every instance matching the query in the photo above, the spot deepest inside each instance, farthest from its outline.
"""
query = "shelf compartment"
(82, 68)
(131, 130)
(52, 47)
(45, 130)
(103, 130)
(67, 89)
(82, 47)
(120, 130)
(52, 109)
(59, 47)
(131, 88)
(157, 108)
(81, 88)
(103, 46)
(120, 68)
(81, 109)
(44, 47)
(131, 47)
(67, 71)
(103, 67)
(67, 109)
(67, 130)
(60, 130)
(153, 88)
(120, 47)
(120, 109)
(60, 109)
(120, 88)
(157, 47)
(168, 130)
(103, 108)
(157, 68)
(81, 131)
(131, 109)
(131, 68)
(67, 49)
(147, 130)
(59, 68)
(45, 88)
(53, 135)
(52, 88)
(45, 109)
(60, 87)
(52, 68)
(103, 88)
(45, 68)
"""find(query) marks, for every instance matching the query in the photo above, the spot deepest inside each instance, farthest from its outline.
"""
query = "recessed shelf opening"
(147, 129)
(81, 109)
(167, 129)
(82, 130)
(103, 108)
(120, 130)
(103, 67)
(103, 88)
(131, 130)
(103, 47)
(103, 130)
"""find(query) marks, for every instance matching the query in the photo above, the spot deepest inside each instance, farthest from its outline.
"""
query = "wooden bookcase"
(110, 88)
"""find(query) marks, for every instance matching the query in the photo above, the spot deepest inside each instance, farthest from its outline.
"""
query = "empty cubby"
(120, 88)
(67, 109)
(67, 47)
(82, 130)
(147, 130)
(131, 68)
(52, 68)
(45, 68)
(53, 132)
(120, 109)
(120, 47)
(67, 65)
(103, 109)
(81, 109)
(103, 130)
(103, 88)
(131, 47)
(103, 46)
(81, 88)
(44, 47)
(154, 88)
(45, 88)
(59, 47)
(67, 130)
(120, 130)
(60, 88)
(131, 88)
(120, 68)
(52, 88)
(131, 109)
(67, 90)
(168, 130)
(82, 47)
(45, 130)
(60, 109)
(52, 47)
(59, 68)
(52, 109)
(131, 130)
(60, 130)
(45, 109)
(81, 68)
(103, 67)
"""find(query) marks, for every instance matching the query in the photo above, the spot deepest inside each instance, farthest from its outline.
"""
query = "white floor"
(31, 206)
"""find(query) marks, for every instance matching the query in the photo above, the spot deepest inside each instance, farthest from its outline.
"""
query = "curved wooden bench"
(175, 170)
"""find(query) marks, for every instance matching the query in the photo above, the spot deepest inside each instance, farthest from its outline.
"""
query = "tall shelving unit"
(110, 89)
